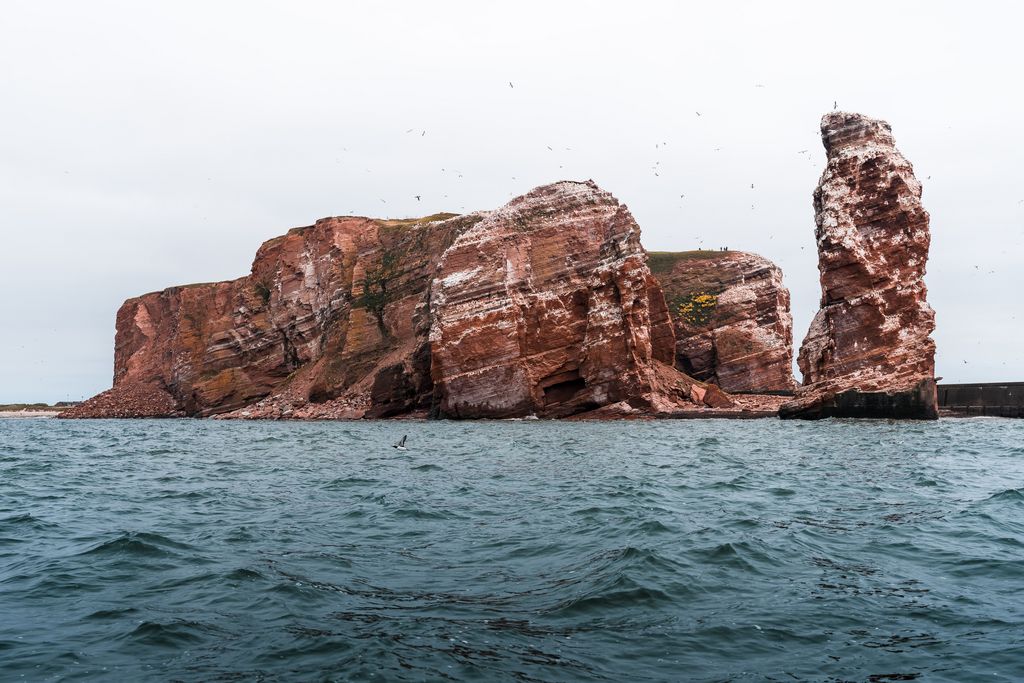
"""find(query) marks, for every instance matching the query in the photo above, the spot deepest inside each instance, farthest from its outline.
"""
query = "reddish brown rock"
(732, 319)
(330, 315)
(551, 294)
(127, 400)
(547, 307)
(868, 352)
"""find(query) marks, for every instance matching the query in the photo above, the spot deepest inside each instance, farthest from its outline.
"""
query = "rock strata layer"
(544, 307)
(331, 315)
(868, 352)
(547, 307)
(732, 319)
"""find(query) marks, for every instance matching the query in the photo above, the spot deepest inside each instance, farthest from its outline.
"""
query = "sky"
(151, 144)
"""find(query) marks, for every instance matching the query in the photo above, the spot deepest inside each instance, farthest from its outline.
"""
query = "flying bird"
(835, 105)
(400, 444)
(417, 197)
(510, 84)
(698, 113)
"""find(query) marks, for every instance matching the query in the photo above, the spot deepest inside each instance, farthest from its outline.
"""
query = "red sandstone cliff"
(547, 307)
(334, 308)
(548, 300)
(733, 325)
(868, 352)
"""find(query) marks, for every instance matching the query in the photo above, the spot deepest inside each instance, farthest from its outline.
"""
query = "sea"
(689, 550)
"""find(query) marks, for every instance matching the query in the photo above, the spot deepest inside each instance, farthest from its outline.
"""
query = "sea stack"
(868, 352)
(732, 319)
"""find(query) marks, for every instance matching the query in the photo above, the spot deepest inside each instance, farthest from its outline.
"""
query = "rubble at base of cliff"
(129, 401)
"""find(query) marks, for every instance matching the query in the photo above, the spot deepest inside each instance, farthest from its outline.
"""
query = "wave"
(174, 634)
(622, 593)
(349, 482)
(141, 544)
(25, 520)
(1014, 495)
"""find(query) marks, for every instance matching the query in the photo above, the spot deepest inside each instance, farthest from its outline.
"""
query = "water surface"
(512, 551)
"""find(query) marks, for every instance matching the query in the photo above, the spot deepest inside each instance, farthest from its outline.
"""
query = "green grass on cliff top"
(662, 261)
(405, 222)
(16, 407)
(387, 222)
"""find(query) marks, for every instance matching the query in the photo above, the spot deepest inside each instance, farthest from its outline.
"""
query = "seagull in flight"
(400, 444)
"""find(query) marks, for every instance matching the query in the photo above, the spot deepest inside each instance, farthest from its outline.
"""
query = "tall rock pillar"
(868, 352)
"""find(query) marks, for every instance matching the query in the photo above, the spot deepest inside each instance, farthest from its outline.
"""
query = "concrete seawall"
(999, 399)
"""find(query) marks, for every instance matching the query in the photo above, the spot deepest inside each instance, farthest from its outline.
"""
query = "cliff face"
(328, 311)
(732, 319)
(868, 352)
(545, 306)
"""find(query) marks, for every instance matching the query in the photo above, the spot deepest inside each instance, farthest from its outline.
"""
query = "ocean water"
(184, 550)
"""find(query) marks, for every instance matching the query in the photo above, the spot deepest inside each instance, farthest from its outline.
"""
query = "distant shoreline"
(16, 410)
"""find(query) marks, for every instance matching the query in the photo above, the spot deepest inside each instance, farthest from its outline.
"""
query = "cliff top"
(843, 129)
(664, 261)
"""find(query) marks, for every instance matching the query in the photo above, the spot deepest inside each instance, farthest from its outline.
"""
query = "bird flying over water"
(400, 444)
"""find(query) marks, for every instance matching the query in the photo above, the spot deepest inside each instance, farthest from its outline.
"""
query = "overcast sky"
(150, 144)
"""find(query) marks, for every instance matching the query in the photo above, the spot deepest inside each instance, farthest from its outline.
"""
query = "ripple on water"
(511, 551)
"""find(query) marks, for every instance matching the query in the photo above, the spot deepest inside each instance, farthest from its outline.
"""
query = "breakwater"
(998, 399)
